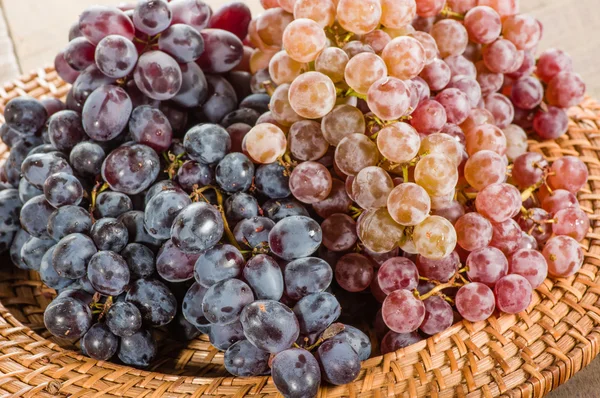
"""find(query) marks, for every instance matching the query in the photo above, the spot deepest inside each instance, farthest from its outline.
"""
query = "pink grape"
(507, 236)
(523, 30)
(438, 315)
(502, 109)
(473, 231)
(441, 270)
(405, 57)
(403, 312)
(500, 56)
(499, 202)
(535, 223)
(339, 232)
(552, 123)
(529, 169)
(564, 256)
(469, 86)
(359, 16)
(551, 62)
(336, 202)
(355, 152)
(531, 265)
(569, 173)
(429, 117)
(485, 168)
(428, 43)
(354, 272)
(429, 8)
(527, 93)
(310, 182)
(409, 204)
(572, 222)
(489, 81)
(398, 142)
(451, 37)
(460, 66)
(306, 141)
(505, 8)
(437, 74)
(483, 24)
(566, 89)
(475, 302)
(371, 187)
(456, 103)
(513, 294)
(559, 200)
(486, 137)
(398, 273)
(388, 98)
(486, 265)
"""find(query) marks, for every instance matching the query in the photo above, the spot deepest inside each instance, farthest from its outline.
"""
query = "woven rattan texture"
(511, 356)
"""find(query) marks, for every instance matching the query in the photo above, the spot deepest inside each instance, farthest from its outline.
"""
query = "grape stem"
(448, 13)
(435, 290)
(405, 173)
(98, 189)
(174, 163)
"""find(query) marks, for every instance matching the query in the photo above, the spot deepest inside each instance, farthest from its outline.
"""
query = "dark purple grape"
(272, 180)
(263, 274)
(194, 174)
(194, 87)
(116, 56)
(217, 264)
(134, 222)
(99, 342)
(123, 319)
(48, 274)
(65, 130)
(394, 341)
(178, 118)
(221, 99)
(38, 167)
(240, 206)
(140, 260)
(137, 97)
(9, 136)
(10, 208)
(65, 71)
(53, 105)
(253, 232)
(223, 337)
(223, 51)
(106, 113)
(21, 237)
(79, 291)
(18, 153)
(67, 317)
(258, 102)
(158, 75)
(225, 300)
(154, 300)
(25, 114)
(182, 42)
(237, 132)
(270, 325)
(233, 17)
(161, 211)
(160, 186)
(139, 349)
(131, 169)
(47, 148)
(88, 81)
(339, 362)
(192, 305)
(295, 237)
(6, 238)
(97, 22)
(109, 234)
(357, 339)
(182, 330)
(195, 13)
(34, 216)
(173, 265)
(240, 80)
(152, 16)
(79, 53)
(62, 189)
(68, 220)
(207, 143)
(108, 273)
(278, 209)
(296, 373)
(316, 312)
(235, 172)
(72, 254)
(33, 251)
(151, 127)
(306, 276)
(74, 31)
(86, 158)
(198, 227)
(112, 204)
(244, 359)
(244, 115)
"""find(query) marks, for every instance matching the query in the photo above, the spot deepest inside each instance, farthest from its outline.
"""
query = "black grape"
(235, 173)
(339, 362)
(139, 349)
(194, 87)
(225, 300)
(123, 319)
(244, 115)
(100, 343)
(48, 274)
(67, 317)
(140, 260)
(272, 180)
(221, 99)
(68, 220)
(219, 263)
(270, 325)
(263, 274)
(198, 227)
(10, 207)
(72, 254)
(35, 215)
(161, 210)
(358, 340)
(149, 126)
(258, 102)
(192, 305)
(62, 189)
(25, 114)
(296, 373)
(65, 130)
(174, 265)
(295, 237)
(278, 209)
(182, 42)
(316, 312)
(253, 232)
(240, 206)
(134, 222)
(305, 276)
(28, 191)
(154, 300)
(106, 112)
(223, 337)
(244, 359)
(33, 251)
(131, 169)
(193, 173)
(86, 158)
(223, 51)
(158, 75)
(109, 234)
(207, 143)
(112, 204)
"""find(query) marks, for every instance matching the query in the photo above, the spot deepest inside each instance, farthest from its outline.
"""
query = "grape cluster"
(271, 182)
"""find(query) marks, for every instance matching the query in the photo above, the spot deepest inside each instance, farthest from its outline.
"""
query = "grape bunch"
(284, 183)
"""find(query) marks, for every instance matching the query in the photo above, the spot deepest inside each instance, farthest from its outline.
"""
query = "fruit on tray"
(272, 182)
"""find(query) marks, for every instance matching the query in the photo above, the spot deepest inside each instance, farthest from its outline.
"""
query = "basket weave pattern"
(526, 355)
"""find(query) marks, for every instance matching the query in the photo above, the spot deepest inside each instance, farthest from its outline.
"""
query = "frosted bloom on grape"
(572, 222)
(551, 62)
(428, 43)
(500, 56)
(265, 143)
(378, 231)
(405, 57)
(473, 231)
(513, 294)
(371, 187)
(441, 270)
(439, 315)
(483, 24)
(523, 30)
(456, 103)
(304, 39)
(359, 16)
(507, 236)
(281, 109)
(429, 8)
(341, 122)
(437, 174)
(310, 182)
(409, 204)
(354, 153)
(363, 70)
(564, 256)
(475, 302)
(306, 142)
(354, 272)
(451, 37)
(396, 14)
(569, 173)
(501, 108)
(566, 89)
(442, 144)
(320, 11)
(332, 62)
(505, 8)
(499, 202)
(486, 265)
(436, 74)
(485, 168)
(389, 98)
(377, 40)
(516, 141)
(402, 312)
(429, 117)
(527, 93)
(398, 273)
(312, 95)
(399, 142)
(283, 69)
(435, 238)
(552, 123)
(531, 265)
(486, 137)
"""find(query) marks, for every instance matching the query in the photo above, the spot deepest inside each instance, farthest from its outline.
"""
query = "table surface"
(33, 31)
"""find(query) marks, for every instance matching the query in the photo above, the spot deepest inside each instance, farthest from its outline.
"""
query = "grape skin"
(154, 300)
(513, 294)
(339, 362)
(296, 373)
(305, 276)
(172, 264)
(244, 359)
(295, 237)
(316, 312)
(475, 302)
(403, 312)
(225, 300)
(269, 325)
(67, 318)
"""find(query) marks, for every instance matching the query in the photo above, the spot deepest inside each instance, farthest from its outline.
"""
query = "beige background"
(33, 31)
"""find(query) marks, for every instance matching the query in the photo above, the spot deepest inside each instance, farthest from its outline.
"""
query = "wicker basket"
(512, 356)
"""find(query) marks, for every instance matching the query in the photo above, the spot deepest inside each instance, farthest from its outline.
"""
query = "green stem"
(405, 173)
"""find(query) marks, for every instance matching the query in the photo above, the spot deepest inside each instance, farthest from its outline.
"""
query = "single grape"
(223, 337)
(507, 236)
(363, 70)
(389, 98)
(306, 276)
(527, 93)
(303, 40)
(235, 173)
(559, 200)
(67, 317)
(97, 22)
(499, 202)
(332, 62)
(10, 207)
(116, 56)
(217, 264)
(440, 270)
(123, 319)
(438, 316)
(354, 272)
(296, 372)
(79, 53)
(253, 232)
(473, 231)
(265, 143)
(568, 173)
(65, 130)
(35, 215)
(207, 143)
(355, 152)
(223, 51)
(552, 124)
(485, 168)
(63, 189)
(295, 237)
(316, 312)
(312, 95)
(397, 273)
(339, 362)
(358, 16)
(154, 300)
(140, 260)
(572, 222)
(378, 231)
(394, 341)
(86, 158)
(487, 265)
(437, 174)
(513, 294)
(339, 232)
(192, 306)
(158, 75)
(435, 238)
(475, 302)
(106, 112)
(131, 169)
(270, 325)
(436, 74)
(500, 56)
(109, 234)
(99, 342)
(48, 274)
(174, 265)
(195, 13)
(403, 312)
(265, 278)
(310, 182)
(244, 359)
(531, 265)
(225, 300)
(405, 57)
(33, 250)
(139, 349)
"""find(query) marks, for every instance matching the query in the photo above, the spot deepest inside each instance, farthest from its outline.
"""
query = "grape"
(158, 75)
(377, 40)
(244, 359)
(283, 69)
(310, 182)
(389, 98)
(483, 24)
(456, 104)
(10, 207)
(571, 222)
(149, 126)
(408, 204)
(438, 316)
(33, 251)
(36, 168)
(116, 56)
(371, 187)
(451, 37)
(264, 277)
(123, 319)
(207, 143)
(225, 300)
(152, 16)
(99, 342)
(442, 144)
(67, 317)
(253, 232)
(140, 260)
(469, 86)
(97, 22)
(569, 173)
(566, 89)
(131, 169)
(34, 217)
(223, 337)
(475, 302)
(440, 270)
(339, 362)
(341, 122)
(529, 169)
(240, 206)
(217, 264)
(485, 168)
(303, 40)
(337, 201)
(437, 174)
(332, 62)
(65, 130)
(192, 306)
(397, 273)
(108, 273)
(363, 70)
(86, 158)
(486, 265)
(109, 234)
(355, 152)
(552, 62)
(235, 173)
(305, 276)
(193, 174)
(523, 30)
(64, 70)
(194, 86)
(354, 272)
(434, 238)
(429, 8)
(88, 81)
(473, 231)
(527, 93)
(531, 265)
(174, 265)
(316, 312)
(437, 74)
(296, 372)
(489, 81)
(265, 143)
(379, 232)
(507, 236)
(403, 312)
(195, 13)
(394, 341)
(312, 95)
(221, 102)
(63, 189)
(306, 140)
(513, 294)
(113, 204)
(223, 51)
(295, 237)
(500, 56)
(237, 132)
(48, 274)
(516, 141)
(106, 112)
(272, 180)
(138, 349)
(359, 16)
(134, 222)
(269, 325)
(499, 202)
(559, 200)
(486, 137)
(551, 124)
(339, 232)
(405, 57)
(154, 300)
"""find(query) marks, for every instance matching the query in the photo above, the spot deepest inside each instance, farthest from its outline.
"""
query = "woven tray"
(511, 356)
